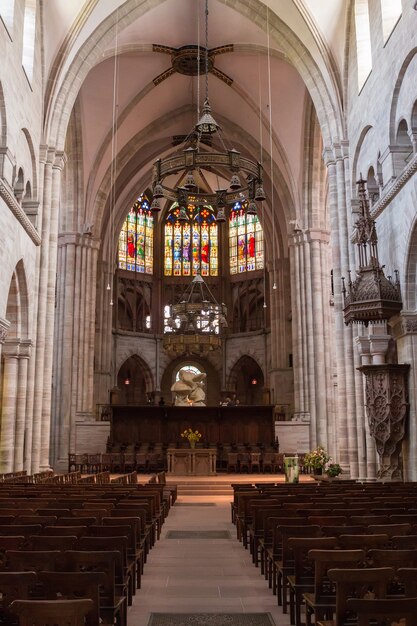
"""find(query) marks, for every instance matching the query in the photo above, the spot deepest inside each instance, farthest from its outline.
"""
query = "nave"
(202, 575)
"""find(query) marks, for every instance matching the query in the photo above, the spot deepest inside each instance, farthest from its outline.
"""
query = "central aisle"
(201, 575)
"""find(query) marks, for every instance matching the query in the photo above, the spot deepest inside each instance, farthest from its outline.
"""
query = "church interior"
(208, 253)
(149, 146)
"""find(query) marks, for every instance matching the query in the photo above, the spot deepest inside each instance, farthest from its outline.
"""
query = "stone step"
(202, 487)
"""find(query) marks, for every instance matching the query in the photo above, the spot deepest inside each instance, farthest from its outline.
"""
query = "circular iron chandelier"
(196, 321)
(192, 159)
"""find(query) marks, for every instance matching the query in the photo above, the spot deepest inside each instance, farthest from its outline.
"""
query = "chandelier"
(187, 163)
(195, 322)
(371, 297)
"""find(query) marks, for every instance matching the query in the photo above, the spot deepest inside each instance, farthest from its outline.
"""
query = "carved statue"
(189, 389)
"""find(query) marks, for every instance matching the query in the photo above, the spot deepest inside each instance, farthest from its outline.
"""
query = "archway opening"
(134, 381)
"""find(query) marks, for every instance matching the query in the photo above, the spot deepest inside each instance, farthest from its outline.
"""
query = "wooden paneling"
(223, 424)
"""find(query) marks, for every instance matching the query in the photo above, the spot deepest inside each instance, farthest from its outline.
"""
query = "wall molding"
(7, 194)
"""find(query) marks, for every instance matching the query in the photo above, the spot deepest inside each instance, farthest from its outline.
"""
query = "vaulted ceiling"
(256, 94)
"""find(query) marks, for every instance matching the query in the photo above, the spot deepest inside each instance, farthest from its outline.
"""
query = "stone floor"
(201, 575)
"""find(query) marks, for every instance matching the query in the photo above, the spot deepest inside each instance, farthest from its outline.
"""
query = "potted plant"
(316, 460)
(333, 470)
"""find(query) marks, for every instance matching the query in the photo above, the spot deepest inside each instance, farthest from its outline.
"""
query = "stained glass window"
(191, 247)
(246, 241)
(136, 239)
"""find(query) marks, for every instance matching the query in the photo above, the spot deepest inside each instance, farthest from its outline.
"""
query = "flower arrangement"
(333, 470)
(192, 435)
(316, 459)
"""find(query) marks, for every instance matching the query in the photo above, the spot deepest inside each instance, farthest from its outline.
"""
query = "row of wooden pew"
(334, 553)
(82, 542)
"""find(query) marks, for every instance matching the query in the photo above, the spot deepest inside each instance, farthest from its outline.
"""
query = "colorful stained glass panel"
(135, 252)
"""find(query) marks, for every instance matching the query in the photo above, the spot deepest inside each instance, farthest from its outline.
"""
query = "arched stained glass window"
(191, 247)
(246, 241)
(136, 239)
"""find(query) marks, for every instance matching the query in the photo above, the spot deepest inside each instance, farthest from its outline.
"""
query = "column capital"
(60, 160)
(363, 344)
(25, 348)
(317, 234)
(11, 348)
(337, 151)
(4, 329)
(404, 324)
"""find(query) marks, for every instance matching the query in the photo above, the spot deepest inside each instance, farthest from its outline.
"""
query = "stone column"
(25, 348)
(42, 299)
(9, 404)
(75, 321)
(370, 469)
(322, 380)
(58, 165)
(45, 164)
(299, 329)
(337, 205)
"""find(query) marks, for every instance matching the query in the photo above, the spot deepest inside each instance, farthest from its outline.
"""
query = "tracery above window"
(191, 245)
(135, 251)
(246, 241)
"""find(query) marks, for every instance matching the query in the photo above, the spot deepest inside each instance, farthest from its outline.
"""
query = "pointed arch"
(17, 311)
(246, 379)
(134, 380)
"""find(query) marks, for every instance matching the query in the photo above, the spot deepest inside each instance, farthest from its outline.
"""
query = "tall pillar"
(25, 348)
(318, 239)
(9, 404)
(59, 162)
(40, 346)
(75, 328)
(45, 162)
(337, 205)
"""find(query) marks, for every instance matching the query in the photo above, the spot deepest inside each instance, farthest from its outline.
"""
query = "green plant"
(316, 459)
(333, 470)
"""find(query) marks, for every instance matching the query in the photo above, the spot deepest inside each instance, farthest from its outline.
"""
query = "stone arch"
(63, 92)
(410, 278)
(396, 94)
(240, 381)
(19, 186)
(127, 167)
(404, 145)
(212, 381)
(414, 117)
(355, 174)
(134, 381)
(34, 178)
(17, 311)
(372, 186)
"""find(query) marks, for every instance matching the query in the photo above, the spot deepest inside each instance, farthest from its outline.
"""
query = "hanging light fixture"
(190, 158)
(195, 323)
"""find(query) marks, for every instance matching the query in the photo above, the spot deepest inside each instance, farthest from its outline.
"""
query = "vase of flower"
(315, 461)
(192, 435)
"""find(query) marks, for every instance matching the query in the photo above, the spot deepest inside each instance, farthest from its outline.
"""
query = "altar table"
(192, 462)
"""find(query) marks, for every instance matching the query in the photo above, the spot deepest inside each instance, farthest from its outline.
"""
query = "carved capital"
(11, 348)
(4, 328)
(387, 408)
(404, 324)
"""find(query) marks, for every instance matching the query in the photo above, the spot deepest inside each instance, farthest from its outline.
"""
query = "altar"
(192, 461)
